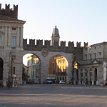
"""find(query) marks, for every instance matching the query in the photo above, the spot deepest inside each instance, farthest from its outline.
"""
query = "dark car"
(48, 81)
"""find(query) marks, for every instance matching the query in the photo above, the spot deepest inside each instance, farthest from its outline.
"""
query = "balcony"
(92, 61)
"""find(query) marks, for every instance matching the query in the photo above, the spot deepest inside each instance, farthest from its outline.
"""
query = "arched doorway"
(1, 69)
(95, 76)
(58, 68)
(31, 70)
(75, 75)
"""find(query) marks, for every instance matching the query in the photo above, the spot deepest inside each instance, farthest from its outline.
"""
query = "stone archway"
(95, 76)
(58, 68)
(1, 69)
(31, 70)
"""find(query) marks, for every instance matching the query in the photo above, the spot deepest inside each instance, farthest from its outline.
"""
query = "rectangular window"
(81, 75)
(13, 28)
(95, 55)
(1, 41)
(90, 56)
(13, 70)
(100, 53)
(13, 42)
(0, 27)
(85, 56)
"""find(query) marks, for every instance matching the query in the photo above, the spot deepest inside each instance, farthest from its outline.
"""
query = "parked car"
(61, 82)
(48, 81)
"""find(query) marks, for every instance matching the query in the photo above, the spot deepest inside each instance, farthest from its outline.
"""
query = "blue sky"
(77, 20)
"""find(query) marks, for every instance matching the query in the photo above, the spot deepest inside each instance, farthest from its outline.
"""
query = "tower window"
(13, 28)
(1, 41)
(13, 41)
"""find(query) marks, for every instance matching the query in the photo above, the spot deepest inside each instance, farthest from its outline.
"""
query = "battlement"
(9, 12)
(36, 44)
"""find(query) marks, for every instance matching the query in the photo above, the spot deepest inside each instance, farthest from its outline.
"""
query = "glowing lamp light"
(76, 65)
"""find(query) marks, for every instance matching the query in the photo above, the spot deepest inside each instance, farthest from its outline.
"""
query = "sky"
(77, 20)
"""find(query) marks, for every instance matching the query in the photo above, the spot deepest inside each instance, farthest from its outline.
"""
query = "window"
(13, 70)
(90, 56)
(85, 56)
(13, 42)
(1, 41)
(0, 27)
(13, 28)
(86, 74)
(81, 75)
(95, 55)
(90, 74)
(99, 53)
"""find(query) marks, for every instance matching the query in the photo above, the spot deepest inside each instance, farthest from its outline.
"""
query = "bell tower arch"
(55, 37)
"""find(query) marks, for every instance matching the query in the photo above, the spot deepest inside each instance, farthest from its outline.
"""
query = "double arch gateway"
(53, 65)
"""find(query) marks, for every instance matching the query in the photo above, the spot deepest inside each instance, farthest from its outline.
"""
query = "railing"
(92, 61)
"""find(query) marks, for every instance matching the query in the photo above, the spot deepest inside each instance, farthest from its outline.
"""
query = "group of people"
(11, 81)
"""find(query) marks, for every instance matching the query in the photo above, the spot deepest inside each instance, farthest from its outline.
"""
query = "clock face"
(44, 52)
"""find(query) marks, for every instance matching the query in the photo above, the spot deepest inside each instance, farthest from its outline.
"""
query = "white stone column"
(21, 38)
(9, 37)
(104, 71)
(84, 76)
(17, 37)
(79, 76)
(69, 72)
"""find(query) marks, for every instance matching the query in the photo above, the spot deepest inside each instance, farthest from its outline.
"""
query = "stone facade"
(11, 42)
(93, 66)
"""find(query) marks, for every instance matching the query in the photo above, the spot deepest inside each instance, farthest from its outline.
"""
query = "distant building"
(33, 68)
(94, 64)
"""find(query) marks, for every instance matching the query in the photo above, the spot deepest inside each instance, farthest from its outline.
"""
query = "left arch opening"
(31, 69)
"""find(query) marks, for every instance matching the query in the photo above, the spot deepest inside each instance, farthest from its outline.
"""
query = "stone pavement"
(53, 96)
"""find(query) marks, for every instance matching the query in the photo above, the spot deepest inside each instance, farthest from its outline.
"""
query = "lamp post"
(10, 75)
(9, 80)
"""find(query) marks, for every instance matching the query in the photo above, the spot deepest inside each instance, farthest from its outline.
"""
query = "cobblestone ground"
(40, 98)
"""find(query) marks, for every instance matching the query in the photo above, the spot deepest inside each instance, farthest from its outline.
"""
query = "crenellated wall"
(37, 45)
(33, 43)
(9, 12)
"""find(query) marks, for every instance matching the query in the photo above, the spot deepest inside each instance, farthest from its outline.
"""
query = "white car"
(61, 82)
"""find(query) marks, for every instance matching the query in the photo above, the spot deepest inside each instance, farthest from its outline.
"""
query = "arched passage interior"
(31, 69)
(58, 68)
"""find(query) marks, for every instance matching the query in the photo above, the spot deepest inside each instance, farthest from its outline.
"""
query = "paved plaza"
(53, 96)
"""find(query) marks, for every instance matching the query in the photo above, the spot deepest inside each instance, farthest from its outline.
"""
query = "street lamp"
(10, 75)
